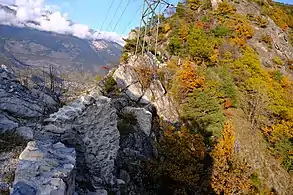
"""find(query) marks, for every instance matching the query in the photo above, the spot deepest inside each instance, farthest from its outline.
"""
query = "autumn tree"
(200, 45)
(193, 4)
(179, 168)
(230, 175)
(186, 79)
(224, 9)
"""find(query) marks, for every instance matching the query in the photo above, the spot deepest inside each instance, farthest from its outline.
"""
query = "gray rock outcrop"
(45, 169)
(21, 113)
(79, 148)
(279, 46)
(20, 106)
(90, 125)
(143, 118)
(128, 80)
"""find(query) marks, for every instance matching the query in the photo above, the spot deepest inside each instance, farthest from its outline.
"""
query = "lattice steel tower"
(150, 20)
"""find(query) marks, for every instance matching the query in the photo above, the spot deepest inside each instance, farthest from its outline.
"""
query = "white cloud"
(9, 2)
(56, 22)
(81, 31)
(111, 36)
(50, 19)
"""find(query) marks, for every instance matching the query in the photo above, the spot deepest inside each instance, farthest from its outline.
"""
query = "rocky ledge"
(46, 169)
(95, 145)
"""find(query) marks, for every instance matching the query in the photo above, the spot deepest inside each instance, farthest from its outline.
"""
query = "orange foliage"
(243, 31)
(228, 103)
(187, 79)
(199, 24)
(230, 175)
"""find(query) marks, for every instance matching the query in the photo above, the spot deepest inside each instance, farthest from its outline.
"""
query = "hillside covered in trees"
(229, 68)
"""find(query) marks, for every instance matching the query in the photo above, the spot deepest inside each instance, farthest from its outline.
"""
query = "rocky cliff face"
(278, 45)
(20, 106)
(92, 146)
(129, 80)
(21, 113)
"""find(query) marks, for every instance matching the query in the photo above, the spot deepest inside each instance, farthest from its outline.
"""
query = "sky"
(285, 1)
(110, 22)
(94, 13)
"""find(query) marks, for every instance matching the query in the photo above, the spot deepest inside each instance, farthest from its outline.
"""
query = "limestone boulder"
(45, 169)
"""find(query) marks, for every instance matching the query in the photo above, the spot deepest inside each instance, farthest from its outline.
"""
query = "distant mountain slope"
(23, 44)
(30, 47)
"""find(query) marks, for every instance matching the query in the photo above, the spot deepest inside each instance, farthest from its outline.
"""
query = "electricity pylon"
(150, 19)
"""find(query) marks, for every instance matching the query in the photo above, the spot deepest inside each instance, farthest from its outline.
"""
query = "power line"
(131, 20)
(115, 14)
(106, 16)
(121, 15)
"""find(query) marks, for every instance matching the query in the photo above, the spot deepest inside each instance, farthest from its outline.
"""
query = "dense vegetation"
(212, 73)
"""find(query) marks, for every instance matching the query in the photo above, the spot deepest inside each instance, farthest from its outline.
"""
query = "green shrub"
(283, 148)
(130, 45)
(126, 123)
(277, 61)
(124, 57)
(175, 45)
(99, 78)
(200, 46)
(109, 84)
(221, 31)
(203, 111)
(277, 75)
(255, 180)
(228, 86)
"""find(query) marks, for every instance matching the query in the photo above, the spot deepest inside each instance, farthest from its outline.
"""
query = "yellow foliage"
(167, 27)
(277, 131)
(286, 83)
(240, 25)
(215, 56)
(224, 8)
(279, 17)
(230, 175)
(183, 31)
(224, 149)
(194, 4)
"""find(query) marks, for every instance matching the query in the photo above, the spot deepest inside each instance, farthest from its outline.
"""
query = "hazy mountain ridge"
(27, 46)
